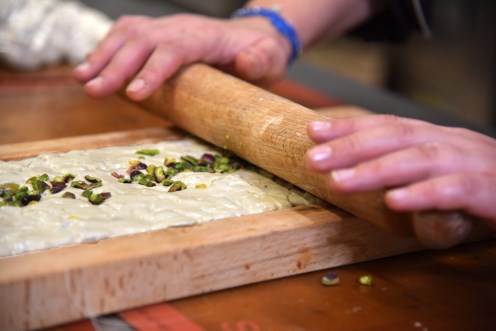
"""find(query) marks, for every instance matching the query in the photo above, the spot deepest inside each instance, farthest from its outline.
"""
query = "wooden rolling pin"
(270, 132)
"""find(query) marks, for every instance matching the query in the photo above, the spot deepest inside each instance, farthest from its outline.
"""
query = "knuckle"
(177, 45)
(112, 80)
(377, 168)
(183, 16)
(404, 132)
(459, 131)
(150, 74)
(430, 151)
(453, 191)
(389, 118)
(464, 186)
(350, 124)
(352, 145)
(131, 25)
(130, 20)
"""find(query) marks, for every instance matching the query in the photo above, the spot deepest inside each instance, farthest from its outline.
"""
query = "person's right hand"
(422, 166)
(151, 50)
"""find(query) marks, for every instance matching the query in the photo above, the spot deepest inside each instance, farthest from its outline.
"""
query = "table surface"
(432, 290)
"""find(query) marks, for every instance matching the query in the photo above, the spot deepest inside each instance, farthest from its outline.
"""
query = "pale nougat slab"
(132, 208)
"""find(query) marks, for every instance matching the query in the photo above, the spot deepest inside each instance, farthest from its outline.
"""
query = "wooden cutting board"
(60, 285)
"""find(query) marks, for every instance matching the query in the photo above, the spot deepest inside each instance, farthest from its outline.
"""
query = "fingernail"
(398, 194)
(343, 174)
(83, 67)
(136, 85)
(320, 153)
(320, 126)
(95, 82)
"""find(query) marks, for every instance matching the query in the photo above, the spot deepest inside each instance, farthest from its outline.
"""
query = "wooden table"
(446, 290)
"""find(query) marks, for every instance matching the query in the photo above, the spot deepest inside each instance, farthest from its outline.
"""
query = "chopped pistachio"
(28, 199)
(148, 151)
(135, 165)
(96, 199)
(30, 180)
(167, 182)
(116, 175)
(201, 169)
(222, 168)
(57, 187)
(136, 176)
(39, 185)
(150, 169)
(171, 172)
(68, 195)
(190, 159)
(201, 186)
(177, 186)
(64, 179)
(207, 158)
(365, 280)
(125, 180)
(146, 182)
(221, 159)
(92, 179)
(44, 177)
(168, 161)
(15, 203)
(21, 194)
(331, 278)
(12, 187)
(6, 194)
(159, 174)
(85, 186)
(181, 166)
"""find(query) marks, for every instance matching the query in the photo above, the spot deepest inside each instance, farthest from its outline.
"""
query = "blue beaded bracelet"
(284, 27)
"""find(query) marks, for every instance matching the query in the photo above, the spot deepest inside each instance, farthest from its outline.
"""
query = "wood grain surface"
(116, 274)
(270, 132)
(444, 290)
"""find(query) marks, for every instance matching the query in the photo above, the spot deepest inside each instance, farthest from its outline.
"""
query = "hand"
(152, 50)
(422, 166)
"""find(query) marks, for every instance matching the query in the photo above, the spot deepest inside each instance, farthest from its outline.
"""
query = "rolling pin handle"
(439, 229)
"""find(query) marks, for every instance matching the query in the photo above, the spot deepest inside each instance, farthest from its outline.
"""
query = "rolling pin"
(270, 132)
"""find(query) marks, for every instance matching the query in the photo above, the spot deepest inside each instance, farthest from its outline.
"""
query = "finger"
(368, 144)
(107, 47)
(98, 59)
(167, 58)
(472, 135)
(123, 65)
(473, 193)
(324, 131)
(407, 166)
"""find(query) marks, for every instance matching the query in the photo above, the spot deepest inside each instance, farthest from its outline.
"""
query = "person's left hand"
(152, 49)
(422, 166)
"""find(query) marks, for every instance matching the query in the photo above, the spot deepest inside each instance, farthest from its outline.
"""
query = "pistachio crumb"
(148, 151)
(365, 280)
(330, 279)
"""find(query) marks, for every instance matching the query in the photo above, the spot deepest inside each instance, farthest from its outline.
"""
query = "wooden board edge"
(129, 137)
(282, 243)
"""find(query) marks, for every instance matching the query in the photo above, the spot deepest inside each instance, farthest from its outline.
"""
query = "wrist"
(274, 23)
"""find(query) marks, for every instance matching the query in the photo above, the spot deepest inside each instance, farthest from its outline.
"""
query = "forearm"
(320, 19)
